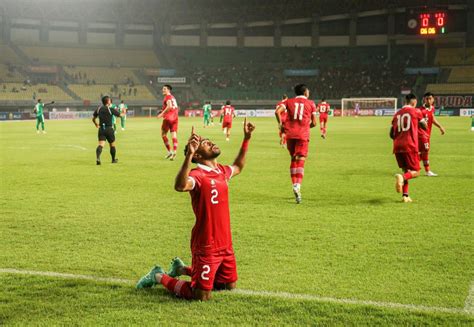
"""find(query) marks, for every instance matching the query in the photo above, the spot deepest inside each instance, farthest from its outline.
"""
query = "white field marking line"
(280, 295)
(71, 146)
(469, 303)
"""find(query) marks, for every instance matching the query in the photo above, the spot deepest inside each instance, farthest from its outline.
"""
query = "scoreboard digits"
(427, 22)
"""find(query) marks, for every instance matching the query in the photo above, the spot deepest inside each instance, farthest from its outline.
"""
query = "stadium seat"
(53, 92)
(102, 75)
(454, 88)
(461, 74)
(93, 92)
(91, 56)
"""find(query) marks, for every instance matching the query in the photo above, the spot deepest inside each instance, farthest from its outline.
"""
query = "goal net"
(368, 106)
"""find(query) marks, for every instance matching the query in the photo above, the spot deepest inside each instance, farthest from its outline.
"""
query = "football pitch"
(75, 237)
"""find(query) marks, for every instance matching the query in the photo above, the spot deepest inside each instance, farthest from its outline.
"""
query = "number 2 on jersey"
(214, 195)
(403, 122)
(299, 109)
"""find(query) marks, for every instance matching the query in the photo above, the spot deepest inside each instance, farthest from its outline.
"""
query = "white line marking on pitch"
(469, 303)
(468, 309)
(71, 146)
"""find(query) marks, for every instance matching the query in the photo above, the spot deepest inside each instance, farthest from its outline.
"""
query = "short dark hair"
(121, 101)
(427, 94)
(39, 100)
(285, 96)
(105, 99)
(300, 89)
(227, 102)
(186, 151)
(168, 86)
(410, 97)
(323, 99)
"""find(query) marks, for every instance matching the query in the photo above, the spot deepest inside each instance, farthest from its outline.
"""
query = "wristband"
(245, 145)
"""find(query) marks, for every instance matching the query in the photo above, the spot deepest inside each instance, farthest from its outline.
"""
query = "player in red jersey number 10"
(404, 133)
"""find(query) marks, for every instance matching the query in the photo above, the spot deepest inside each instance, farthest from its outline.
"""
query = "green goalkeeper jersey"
(113, 106)
(39, 109)
(207, 109)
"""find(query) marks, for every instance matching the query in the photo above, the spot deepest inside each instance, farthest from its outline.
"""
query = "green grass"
(350, 238)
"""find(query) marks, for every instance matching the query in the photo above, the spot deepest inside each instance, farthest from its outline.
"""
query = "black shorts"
(106, 133)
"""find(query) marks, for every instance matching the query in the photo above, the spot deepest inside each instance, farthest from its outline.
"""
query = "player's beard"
(215, 153)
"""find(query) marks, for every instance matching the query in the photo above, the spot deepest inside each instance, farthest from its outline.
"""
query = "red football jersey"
(405, 126)
(323, 108)
(284, 114)
(428, 114)
(228, 112)
(172, 113)
(210, 200)
(299, 113)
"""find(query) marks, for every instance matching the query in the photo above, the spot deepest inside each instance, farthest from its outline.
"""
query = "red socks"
(299, 171)
(293, 172)
(426, 162)
(405, 188)
(407, 176)
(166, 142)
(179, 287)
(175, 144)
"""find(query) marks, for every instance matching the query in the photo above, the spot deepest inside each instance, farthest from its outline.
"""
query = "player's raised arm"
(182, 182)
(239, 162)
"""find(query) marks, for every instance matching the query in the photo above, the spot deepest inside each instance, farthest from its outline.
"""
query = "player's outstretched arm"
(437, 124)
(239, 162)
(182, 182)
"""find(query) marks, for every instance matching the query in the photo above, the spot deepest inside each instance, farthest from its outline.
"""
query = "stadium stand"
(8, 56)
(452, 88)
(454, 56)
(259, 73)
(10, 73)
(22, 91)
(461, 75)
(101, 75)
(108, 57)
(123, 92)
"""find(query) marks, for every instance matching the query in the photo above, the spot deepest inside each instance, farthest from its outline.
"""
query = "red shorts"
(424, 144)
(408, 160)
(169, 125)
(227, 124)
(323, 118)
(211, 269)
(297, 147)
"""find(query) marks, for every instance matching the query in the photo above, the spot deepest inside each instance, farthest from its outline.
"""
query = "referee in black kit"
(106, 130)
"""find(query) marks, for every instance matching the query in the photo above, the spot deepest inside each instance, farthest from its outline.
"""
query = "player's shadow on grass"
(378, 201)
(155, 294)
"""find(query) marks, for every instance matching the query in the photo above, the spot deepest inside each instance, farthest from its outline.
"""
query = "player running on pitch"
(404, 132)
(427, 110)
(213, 260)
(207, 113)
(227, 114)
(39, 111)
(282, 117)
(169, 113)
(106, 130)
(123, 108)
(301, 116)
(323, 108)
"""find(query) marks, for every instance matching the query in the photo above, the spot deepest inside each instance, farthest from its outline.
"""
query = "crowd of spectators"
(340, 73)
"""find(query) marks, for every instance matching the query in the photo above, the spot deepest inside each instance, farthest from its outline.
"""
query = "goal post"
(368, 106)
